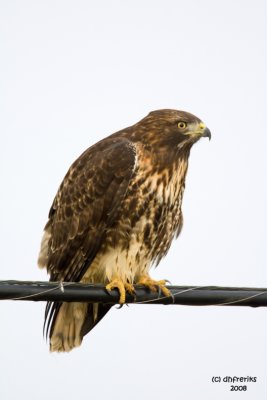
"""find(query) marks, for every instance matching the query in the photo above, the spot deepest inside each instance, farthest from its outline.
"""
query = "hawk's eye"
(182, 125)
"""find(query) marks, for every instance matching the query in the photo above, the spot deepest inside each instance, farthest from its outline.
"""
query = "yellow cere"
(202, 125)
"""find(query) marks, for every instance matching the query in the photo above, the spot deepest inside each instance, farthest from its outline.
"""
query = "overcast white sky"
(73, 72)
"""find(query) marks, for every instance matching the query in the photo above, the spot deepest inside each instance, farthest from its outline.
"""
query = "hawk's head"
(173, 128)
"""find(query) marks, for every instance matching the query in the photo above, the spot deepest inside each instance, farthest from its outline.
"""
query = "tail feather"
(68, 323)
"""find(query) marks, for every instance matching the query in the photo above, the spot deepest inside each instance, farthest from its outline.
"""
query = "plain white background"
(73, 72)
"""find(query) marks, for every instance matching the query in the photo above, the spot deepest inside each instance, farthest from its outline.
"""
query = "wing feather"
(87, 203)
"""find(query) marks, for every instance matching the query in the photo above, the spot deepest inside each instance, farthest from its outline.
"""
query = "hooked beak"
(206, 133)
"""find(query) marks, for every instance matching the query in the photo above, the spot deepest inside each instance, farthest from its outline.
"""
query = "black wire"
(183, 295)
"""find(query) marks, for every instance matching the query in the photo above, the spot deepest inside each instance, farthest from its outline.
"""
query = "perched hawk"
(115, 214)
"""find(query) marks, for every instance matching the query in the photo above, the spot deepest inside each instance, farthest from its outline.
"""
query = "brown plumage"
(115, 214)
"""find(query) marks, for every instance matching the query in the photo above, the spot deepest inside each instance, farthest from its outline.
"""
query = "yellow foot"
(122, 287)
(154, 286)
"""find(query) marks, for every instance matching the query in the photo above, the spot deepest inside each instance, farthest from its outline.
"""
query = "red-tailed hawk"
(115, 214)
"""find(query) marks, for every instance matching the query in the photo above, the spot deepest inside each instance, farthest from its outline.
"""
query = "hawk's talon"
(155, 286)
(122, 287)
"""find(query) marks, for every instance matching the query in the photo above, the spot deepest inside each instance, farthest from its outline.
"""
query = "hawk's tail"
(68, 323)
